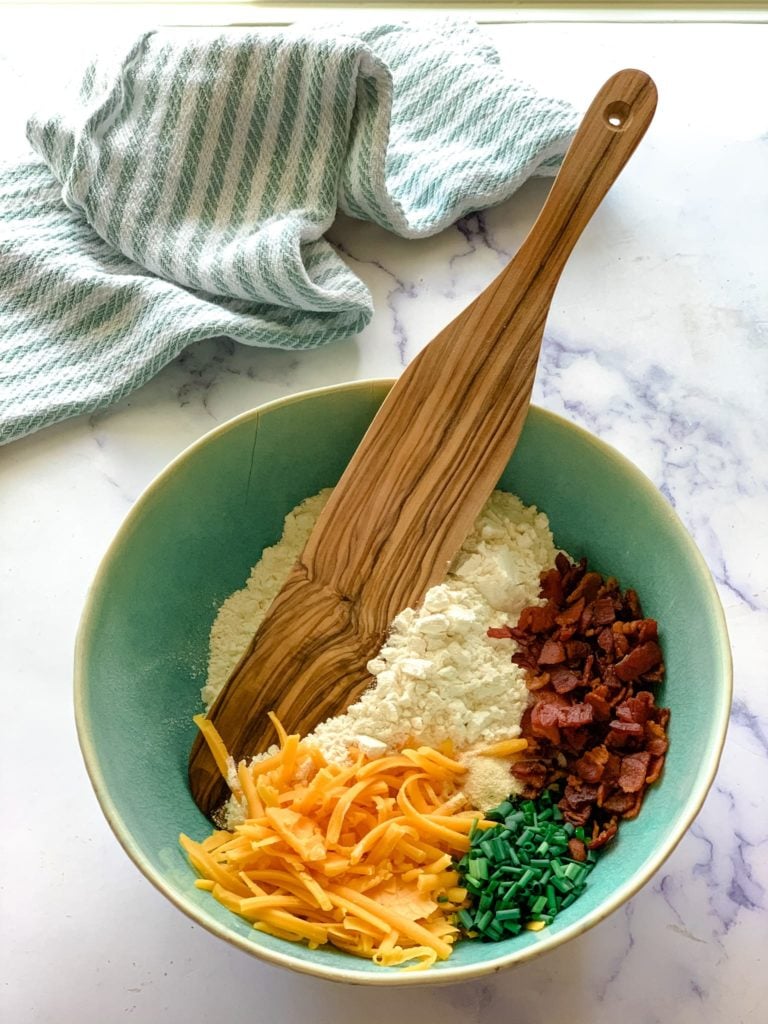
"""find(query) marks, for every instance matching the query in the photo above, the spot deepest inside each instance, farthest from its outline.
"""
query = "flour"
(241, 614)
(438, 676)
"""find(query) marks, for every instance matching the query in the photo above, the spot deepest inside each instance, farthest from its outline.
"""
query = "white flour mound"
(242, 613)
(438, 676)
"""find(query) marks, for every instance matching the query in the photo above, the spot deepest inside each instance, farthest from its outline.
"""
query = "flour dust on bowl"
(191, 541)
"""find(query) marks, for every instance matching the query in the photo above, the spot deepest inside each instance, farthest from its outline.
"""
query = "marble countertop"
(657, 342)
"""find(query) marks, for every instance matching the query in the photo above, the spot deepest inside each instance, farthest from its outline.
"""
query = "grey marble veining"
(657, 342)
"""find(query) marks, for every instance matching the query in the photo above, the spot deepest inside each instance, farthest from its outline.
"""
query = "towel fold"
(184, 189)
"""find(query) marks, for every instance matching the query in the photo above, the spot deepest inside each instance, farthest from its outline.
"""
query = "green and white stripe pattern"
(185, 187)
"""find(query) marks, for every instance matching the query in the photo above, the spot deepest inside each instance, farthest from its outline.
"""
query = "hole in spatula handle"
(617, 115)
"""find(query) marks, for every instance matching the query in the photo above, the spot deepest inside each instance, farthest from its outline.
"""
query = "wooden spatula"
(423, 471)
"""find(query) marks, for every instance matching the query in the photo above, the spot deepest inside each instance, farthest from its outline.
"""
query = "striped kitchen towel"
(182, 191)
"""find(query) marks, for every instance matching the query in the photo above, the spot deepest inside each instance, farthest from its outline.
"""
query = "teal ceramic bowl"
(190, 541)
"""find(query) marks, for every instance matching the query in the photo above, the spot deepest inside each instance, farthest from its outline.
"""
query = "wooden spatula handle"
(421, 474)
(482, 367)
(608, 135)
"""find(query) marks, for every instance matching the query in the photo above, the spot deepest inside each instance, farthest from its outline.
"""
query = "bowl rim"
(449, 974)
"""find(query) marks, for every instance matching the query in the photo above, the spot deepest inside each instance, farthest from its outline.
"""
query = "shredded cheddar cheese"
(356, 856)
(504, 748)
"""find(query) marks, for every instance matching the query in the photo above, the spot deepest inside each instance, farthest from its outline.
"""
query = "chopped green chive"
(519, 871)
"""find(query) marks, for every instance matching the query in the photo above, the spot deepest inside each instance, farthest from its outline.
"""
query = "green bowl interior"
(190, 541)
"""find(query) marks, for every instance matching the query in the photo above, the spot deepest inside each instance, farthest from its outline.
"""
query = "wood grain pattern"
(423, 470)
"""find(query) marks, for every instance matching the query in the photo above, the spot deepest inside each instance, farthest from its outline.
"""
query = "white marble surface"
(657, 342)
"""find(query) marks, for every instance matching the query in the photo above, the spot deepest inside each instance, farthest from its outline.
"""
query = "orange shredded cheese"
(504, 748)
(356, 856)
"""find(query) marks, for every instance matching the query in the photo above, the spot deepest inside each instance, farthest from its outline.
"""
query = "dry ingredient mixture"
(510, 724)
(439, 676)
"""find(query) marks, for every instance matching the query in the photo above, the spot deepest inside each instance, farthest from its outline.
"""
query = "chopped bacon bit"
(586, 589)
(589, 664)
(525, 661)
(603, 613)
(656, 739)
(609, 676)
(590, 656)
(545, 720)
(643, 629)
(591, 766)
(655, 676)
(648, 630)
(640, 706)
(657, 763)
(600, 707)
(632, 605)
(577, 818)
(537, 619)
(576, 716)
(552, 586)
(605, 641)
(577, 849)
(552, 653)
(625, 728)
(573, 575)
(571, 615)
(612, 768)
(550, 697)
(635, 808)
(620, 647)
(562, 563)
(533, 775)
(563, 680)
(623, 712)
(577, 650)
(619, 803)
(634, 768)
(577, 739)
(604, 835)
(578, 794)
(639, 661)
(622, 734)
(528, 769)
